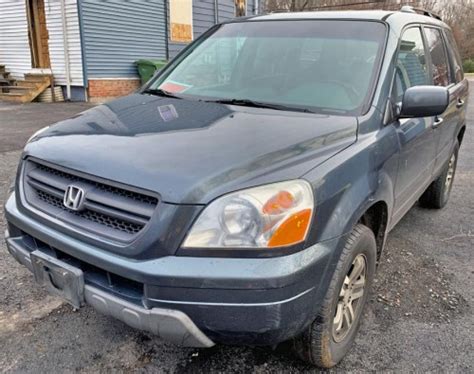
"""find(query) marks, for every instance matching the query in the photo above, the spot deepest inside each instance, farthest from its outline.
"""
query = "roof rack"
(428, 13)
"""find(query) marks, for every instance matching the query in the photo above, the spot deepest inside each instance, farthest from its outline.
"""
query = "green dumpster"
(147, 67)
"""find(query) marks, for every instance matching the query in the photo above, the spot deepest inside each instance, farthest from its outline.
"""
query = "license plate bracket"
(59, 278)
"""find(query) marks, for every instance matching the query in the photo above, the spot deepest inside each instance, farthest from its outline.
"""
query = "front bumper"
(254, 301)
(171, 325)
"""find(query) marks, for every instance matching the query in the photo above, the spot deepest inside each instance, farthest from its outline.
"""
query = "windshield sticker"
(174, 87)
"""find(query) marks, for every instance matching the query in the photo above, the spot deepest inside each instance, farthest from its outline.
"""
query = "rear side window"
(439, 60)
(454, 57)
(411, 69)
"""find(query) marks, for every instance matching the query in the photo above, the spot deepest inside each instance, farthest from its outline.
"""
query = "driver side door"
(416, 135)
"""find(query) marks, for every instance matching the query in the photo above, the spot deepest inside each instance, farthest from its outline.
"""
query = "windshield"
(319, 65)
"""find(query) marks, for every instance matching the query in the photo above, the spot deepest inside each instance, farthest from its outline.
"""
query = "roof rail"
(428, 13)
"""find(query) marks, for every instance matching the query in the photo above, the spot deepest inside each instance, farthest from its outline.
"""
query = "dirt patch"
(27, 312)
(415, 286)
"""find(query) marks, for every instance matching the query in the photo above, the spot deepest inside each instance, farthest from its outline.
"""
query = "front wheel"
(327, 340)
(437, 194)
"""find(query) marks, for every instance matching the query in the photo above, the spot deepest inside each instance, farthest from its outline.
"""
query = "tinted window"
(319, 65)
(454, 57)
(411, 69)
(439, 61)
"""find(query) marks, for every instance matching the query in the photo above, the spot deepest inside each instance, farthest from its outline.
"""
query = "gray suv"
(245, 193)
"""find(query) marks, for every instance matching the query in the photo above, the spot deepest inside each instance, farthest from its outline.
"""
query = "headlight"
(270, 216)
(37, 133)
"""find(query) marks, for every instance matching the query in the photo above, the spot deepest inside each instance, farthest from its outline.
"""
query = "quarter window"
(411, 69)
(439, 61)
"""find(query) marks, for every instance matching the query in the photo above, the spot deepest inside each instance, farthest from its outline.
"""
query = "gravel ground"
(420, 316)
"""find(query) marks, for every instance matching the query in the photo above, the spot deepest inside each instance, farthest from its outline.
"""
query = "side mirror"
(424, 101)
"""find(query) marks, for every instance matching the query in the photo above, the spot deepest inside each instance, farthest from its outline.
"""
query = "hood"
(190, 152)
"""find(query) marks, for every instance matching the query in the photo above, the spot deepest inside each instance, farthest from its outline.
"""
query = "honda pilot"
(245, 193)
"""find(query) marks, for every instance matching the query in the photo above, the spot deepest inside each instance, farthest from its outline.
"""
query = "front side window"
(439, 61)
(411, 69)
(318, 65)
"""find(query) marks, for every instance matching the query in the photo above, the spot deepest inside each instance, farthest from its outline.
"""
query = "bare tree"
(459, 14)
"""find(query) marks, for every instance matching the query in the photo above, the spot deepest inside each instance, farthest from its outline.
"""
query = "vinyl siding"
(226, 10)
(14, 45)
(204, 18)
(251, 9)
(116, 33)
(56, 45)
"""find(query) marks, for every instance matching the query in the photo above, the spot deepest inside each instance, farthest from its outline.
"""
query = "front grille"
(50, 199)
(100, 186)
(116, 212)
(114, 223)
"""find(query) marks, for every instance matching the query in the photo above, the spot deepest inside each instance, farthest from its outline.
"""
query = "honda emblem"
(74, 198)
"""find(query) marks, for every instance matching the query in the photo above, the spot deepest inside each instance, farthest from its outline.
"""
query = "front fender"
(352, 181)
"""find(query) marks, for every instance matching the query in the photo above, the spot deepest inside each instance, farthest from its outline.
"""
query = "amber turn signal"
(292, 231)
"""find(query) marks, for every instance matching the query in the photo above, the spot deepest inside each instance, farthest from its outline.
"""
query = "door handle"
(437, 121)
(460, 103)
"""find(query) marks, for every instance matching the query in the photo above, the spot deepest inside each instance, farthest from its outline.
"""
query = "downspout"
(83, 49)
(167, 42)
(66, 50)
(216, 12)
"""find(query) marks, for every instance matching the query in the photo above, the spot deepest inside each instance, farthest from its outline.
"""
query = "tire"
(321, 344)
(437, 194)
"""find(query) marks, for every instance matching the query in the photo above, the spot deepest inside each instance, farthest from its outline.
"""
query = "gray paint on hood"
(188, 151)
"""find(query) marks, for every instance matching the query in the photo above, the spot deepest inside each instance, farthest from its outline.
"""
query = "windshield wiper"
(258, 104)
(160, 92)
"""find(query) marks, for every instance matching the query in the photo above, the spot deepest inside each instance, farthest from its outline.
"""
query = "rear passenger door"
(416, 135)
(443, 74)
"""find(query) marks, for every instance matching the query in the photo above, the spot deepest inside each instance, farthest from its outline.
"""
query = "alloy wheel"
(350, 298)
(450, 175)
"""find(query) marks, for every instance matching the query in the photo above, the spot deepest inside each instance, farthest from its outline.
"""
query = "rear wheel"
(327, 340)
(437, 194)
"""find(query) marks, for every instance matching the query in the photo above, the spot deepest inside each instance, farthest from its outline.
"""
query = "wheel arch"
(375, 218)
